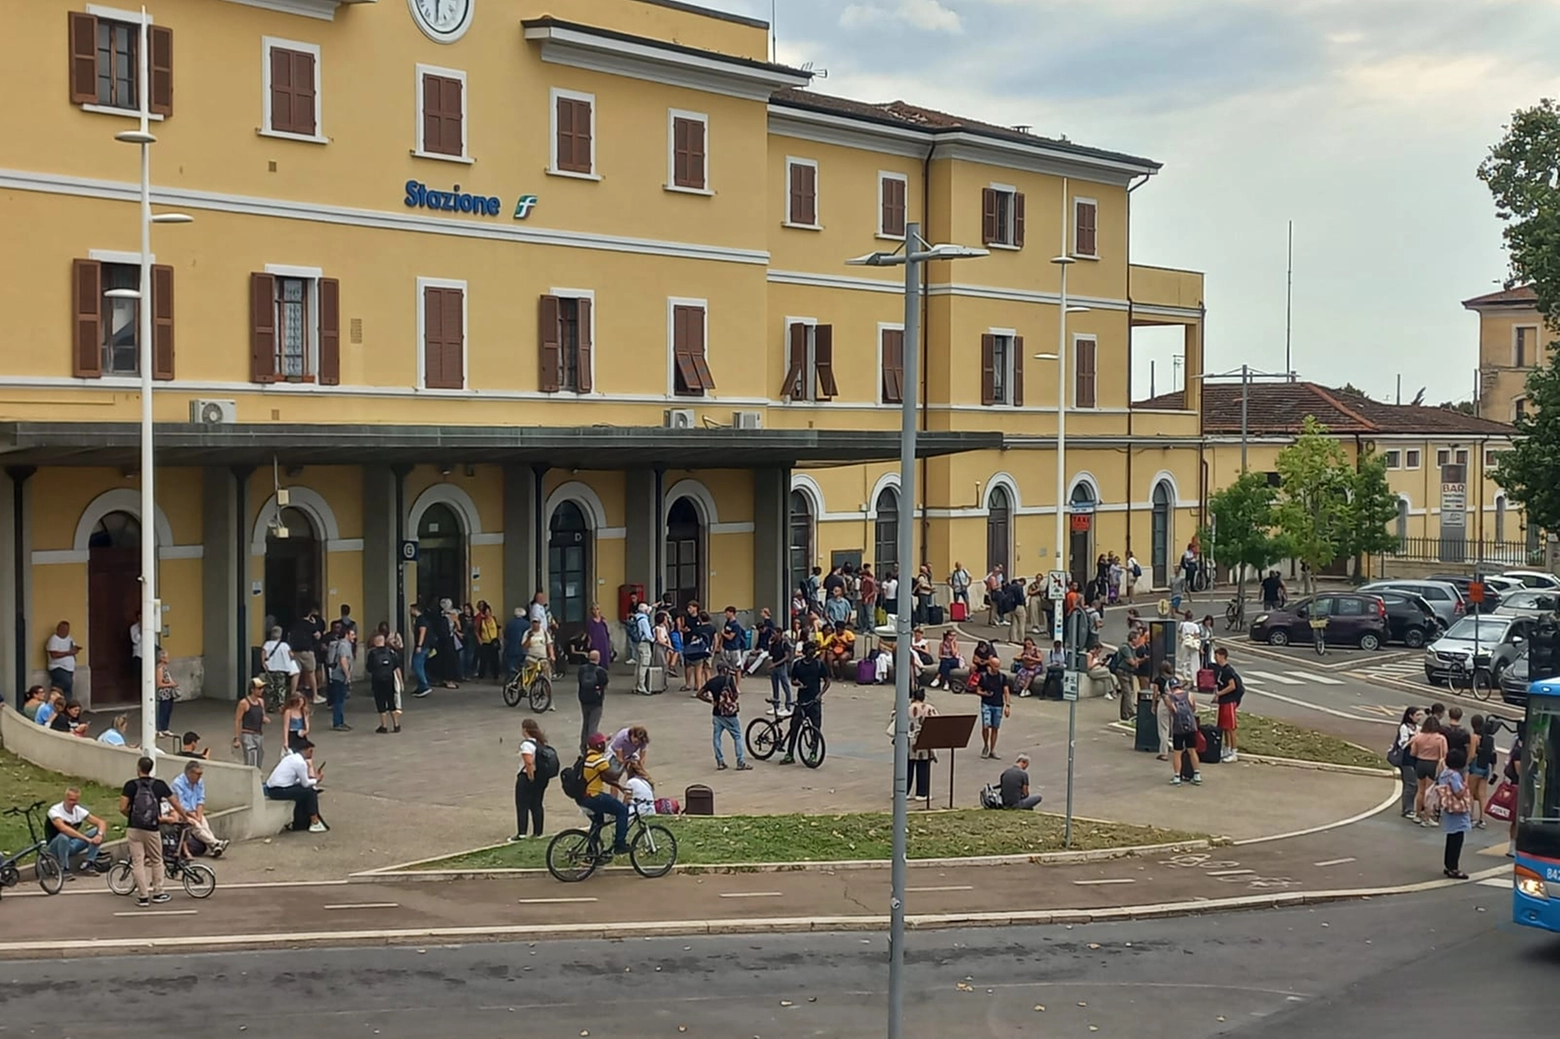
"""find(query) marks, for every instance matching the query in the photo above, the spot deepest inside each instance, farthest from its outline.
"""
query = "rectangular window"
(441, 113)
(104, 63)
(893, 349)
(121, 352)
(1462, 456)
(1489, 462)
(291, 88)
(690, 369)
(574, 143)
(1002, 369)
(295, 320)
(892, 189)
(1524, 337)
(106, 332)
(801, 208)
(809, 371)
(1085, 372)
(1443, 457)
(1519, 408)
(1411, 458)
(565, 340)
(1002, 216)
(688, 149)
(1394, 459)
(443, 334)
(1085, 238)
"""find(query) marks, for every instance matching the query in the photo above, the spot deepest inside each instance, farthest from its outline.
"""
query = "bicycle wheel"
(1481, 684)
(1320, 643)
(812, 746)
(50, 876)
(653, 851)
(570, 857)
(199, 880)
(540, 694)
(512, 692)
(1232, 616)
(763, 738)
(121, 878)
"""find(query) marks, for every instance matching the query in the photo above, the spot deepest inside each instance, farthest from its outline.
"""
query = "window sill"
(1092, 257)
(801, 227)
(284, 135)
(128, 113)
(683, 190)
(575, 174)
(465, 160)
(886, 237)
(1005, 247)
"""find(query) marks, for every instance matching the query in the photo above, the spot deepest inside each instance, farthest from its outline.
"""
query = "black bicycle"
(199, 879)
(766, 734)
(51, 874)
(573, 855)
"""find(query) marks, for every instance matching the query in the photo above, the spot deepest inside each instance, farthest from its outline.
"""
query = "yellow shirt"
(597, 765)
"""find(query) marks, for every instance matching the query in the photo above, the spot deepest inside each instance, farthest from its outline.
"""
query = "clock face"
(443, 21)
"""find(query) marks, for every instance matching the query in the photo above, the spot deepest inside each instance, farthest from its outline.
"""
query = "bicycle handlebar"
(19, 810)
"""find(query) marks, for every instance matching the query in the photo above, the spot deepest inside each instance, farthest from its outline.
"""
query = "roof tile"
(1282, 407)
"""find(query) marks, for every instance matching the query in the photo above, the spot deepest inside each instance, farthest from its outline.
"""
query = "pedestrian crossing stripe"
(1504, 882)
(1290, 678)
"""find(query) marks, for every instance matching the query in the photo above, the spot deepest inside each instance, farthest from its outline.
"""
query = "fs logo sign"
(524, 206)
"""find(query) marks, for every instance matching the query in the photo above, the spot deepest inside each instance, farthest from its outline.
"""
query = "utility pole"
(1289, 303)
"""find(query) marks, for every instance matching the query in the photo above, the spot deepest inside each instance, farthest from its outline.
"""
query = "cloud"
(927, 15)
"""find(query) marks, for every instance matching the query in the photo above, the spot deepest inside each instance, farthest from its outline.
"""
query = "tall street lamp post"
(916, 251)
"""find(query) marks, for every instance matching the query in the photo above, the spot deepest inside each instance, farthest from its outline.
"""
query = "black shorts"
(385, 699)
(1425, 768)
(1183, 741)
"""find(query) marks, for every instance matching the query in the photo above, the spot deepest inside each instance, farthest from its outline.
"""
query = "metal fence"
(1459, 550)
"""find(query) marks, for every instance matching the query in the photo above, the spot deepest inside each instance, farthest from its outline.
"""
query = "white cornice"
(643, 59)
(847, 133)
(325, 10)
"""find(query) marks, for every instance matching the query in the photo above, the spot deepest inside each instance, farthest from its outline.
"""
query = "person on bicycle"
(808, 674)
(599, 774)
(538, 643)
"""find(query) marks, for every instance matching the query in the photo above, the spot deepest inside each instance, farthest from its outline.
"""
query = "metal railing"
(1465, 551)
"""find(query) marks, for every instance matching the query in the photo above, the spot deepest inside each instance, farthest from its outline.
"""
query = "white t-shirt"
(641, 797)
(526, 747)
(72, 817)
(279, 657)
(536, 643)
(292, 770)
(538, 613)
(61, 645)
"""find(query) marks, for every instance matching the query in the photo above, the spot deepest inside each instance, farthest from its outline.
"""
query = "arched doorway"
(1080, 534)
(569, 567)
(113, 596)
(1500, 518)
(684, 553)
(293, 565)
(800, 555)
(885, 533)
(1159, 547)
(441, 557)
(999, 529)
(1402, 524)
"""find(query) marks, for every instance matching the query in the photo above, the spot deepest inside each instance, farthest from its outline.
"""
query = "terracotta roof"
(1522, 295)
(933, 122)
(1281, 408)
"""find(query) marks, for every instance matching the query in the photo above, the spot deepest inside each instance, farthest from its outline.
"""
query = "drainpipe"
(659, 547)
(1130, 189)
(241, 662)
(399, 472)
(926, 203)
(19, 475)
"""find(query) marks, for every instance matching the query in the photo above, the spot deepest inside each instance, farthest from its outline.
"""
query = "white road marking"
(366, 905)
(1318, 679)
(1333, 862)
(1229, 872)
(1280, 679)
(946, 887)
(1503, 882)
(752, 894)
(159, 912)
(1324, 710)
(552, 901)
(1091, 883)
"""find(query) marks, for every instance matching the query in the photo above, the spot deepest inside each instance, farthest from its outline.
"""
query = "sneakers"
(1110, 696)
(142, 903)
(720, 766)
(161, 897)
(621, 849)
(318, 699)
(788, 760)
(397, 727)
(317, 827)
(422, 692)
(1196, 779)
(341, 728)
(516, 837)
(1175, 780)
(743, 766)
(381, 730)
(70, 875)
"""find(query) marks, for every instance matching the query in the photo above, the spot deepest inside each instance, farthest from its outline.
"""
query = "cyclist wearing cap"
(599, 773)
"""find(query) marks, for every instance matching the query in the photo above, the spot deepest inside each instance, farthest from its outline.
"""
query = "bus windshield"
(1538, 808)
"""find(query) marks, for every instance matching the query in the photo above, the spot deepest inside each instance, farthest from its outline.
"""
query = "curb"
(1319, 766)
(405, 874)
(770, 925)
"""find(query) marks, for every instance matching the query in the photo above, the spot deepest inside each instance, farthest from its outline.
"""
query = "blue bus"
(1536, 899)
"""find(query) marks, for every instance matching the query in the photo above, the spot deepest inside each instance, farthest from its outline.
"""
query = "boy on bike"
(808, 674)
(599, 774)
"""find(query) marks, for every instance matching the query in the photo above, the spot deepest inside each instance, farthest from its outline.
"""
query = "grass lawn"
(711, 840)
(1260, 735)
(22, 783)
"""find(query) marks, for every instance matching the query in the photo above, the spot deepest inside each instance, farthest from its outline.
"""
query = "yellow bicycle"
(534, 683)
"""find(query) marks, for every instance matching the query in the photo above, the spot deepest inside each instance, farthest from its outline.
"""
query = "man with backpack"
(383, 665)
(1229, 691)
(593, 694)
(140, 802)
(640, 639)
(733, 641)
(586, 781)
(721, 694)
(1181, 708)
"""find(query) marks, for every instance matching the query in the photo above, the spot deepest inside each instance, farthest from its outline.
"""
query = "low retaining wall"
(231, 790)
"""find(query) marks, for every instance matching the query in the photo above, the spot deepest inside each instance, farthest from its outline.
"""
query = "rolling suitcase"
(656, 679)
(1213, 745)
(934, 614)
(1207, 681)
(866, 672)
(959, 611)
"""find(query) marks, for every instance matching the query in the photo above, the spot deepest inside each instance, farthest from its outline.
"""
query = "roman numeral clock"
(442, 21)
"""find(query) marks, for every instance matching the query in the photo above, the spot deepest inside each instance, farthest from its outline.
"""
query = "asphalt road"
(1442, 963)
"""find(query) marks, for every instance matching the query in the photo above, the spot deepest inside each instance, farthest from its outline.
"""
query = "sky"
(1362, 121)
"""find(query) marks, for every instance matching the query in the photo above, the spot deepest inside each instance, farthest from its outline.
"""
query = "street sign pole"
(1070, 682)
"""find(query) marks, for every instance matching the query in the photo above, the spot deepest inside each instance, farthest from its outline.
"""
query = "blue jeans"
(336, 693)
(733, 726)
(865, 612)
(420, 669)
(164, 714)
(945, 667)
(63, 847)
(780, 679)
(605, 804)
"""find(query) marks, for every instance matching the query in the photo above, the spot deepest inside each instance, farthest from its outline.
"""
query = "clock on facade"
(443, 21)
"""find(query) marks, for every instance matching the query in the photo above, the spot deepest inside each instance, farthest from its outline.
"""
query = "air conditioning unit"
(679, 418)
(213, 412)
(747, 420)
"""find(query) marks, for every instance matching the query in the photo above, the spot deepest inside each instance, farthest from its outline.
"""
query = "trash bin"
(698, 799)
(1147, 733)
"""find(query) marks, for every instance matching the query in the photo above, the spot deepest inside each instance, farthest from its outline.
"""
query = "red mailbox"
(629, 598)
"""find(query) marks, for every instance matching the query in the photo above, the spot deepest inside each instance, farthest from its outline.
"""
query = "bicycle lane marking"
(1324, 710)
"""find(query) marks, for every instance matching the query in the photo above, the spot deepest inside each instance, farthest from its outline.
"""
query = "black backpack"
(144, 809)
(572, 779)
(547, 762)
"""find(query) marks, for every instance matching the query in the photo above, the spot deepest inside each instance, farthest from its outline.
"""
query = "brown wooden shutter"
(83, 59)
(988, 369)
(892, 217)
(893, 366)
(162, 321)
(696, 155)
(303, 87)
(549, 339)
(687, 377)
(680, 152)
(823, 361)
(1018, 371)
(329, 372)
(433, 337)
(696, 348)
(794, 385)
(989, 230)
(565, 142)
(804, 194)
(1084, 386)
(86, 296)
(281, 91)
(453, 340)
(688, 153)
(582, 135)
(574, 132)
(1085, 239)
(262, 328)
(451, 117)
(1018, 219)
(160, 39)
(431, 103)
(583, 381)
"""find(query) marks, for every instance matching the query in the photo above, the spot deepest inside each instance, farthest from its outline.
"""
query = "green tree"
(1244, 518)
(1312, 512)
(1370, 510)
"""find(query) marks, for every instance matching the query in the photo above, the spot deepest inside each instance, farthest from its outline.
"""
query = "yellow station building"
(552, 292)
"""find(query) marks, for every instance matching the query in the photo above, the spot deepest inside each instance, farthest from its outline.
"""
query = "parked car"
(1353, 619)
(1530, 602)
(1534, 578)
(1443, 597)
(1494, 589)
(1514, 680)
(1410, 620)
(1491, 642)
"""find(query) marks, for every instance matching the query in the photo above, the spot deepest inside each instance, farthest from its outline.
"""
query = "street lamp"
(915, 252)
(151, 609)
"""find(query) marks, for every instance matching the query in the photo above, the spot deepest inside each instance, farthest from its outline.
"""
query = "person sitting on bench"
(296, 779)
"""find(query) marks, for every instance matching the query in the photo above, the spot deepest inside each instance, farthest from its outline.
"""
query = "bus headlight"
(1531, 884)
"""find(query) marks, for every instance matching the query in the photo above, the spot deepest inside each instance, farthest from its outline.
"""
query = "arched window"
(293, 567)
(441, 557)
(885, 535)
(113, 602)
(1159, 547)
(1402, 524)
(568, 564)
(684, 548)
(1500, 518)
(1080, 534)
(800, 556)
(999, 528)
